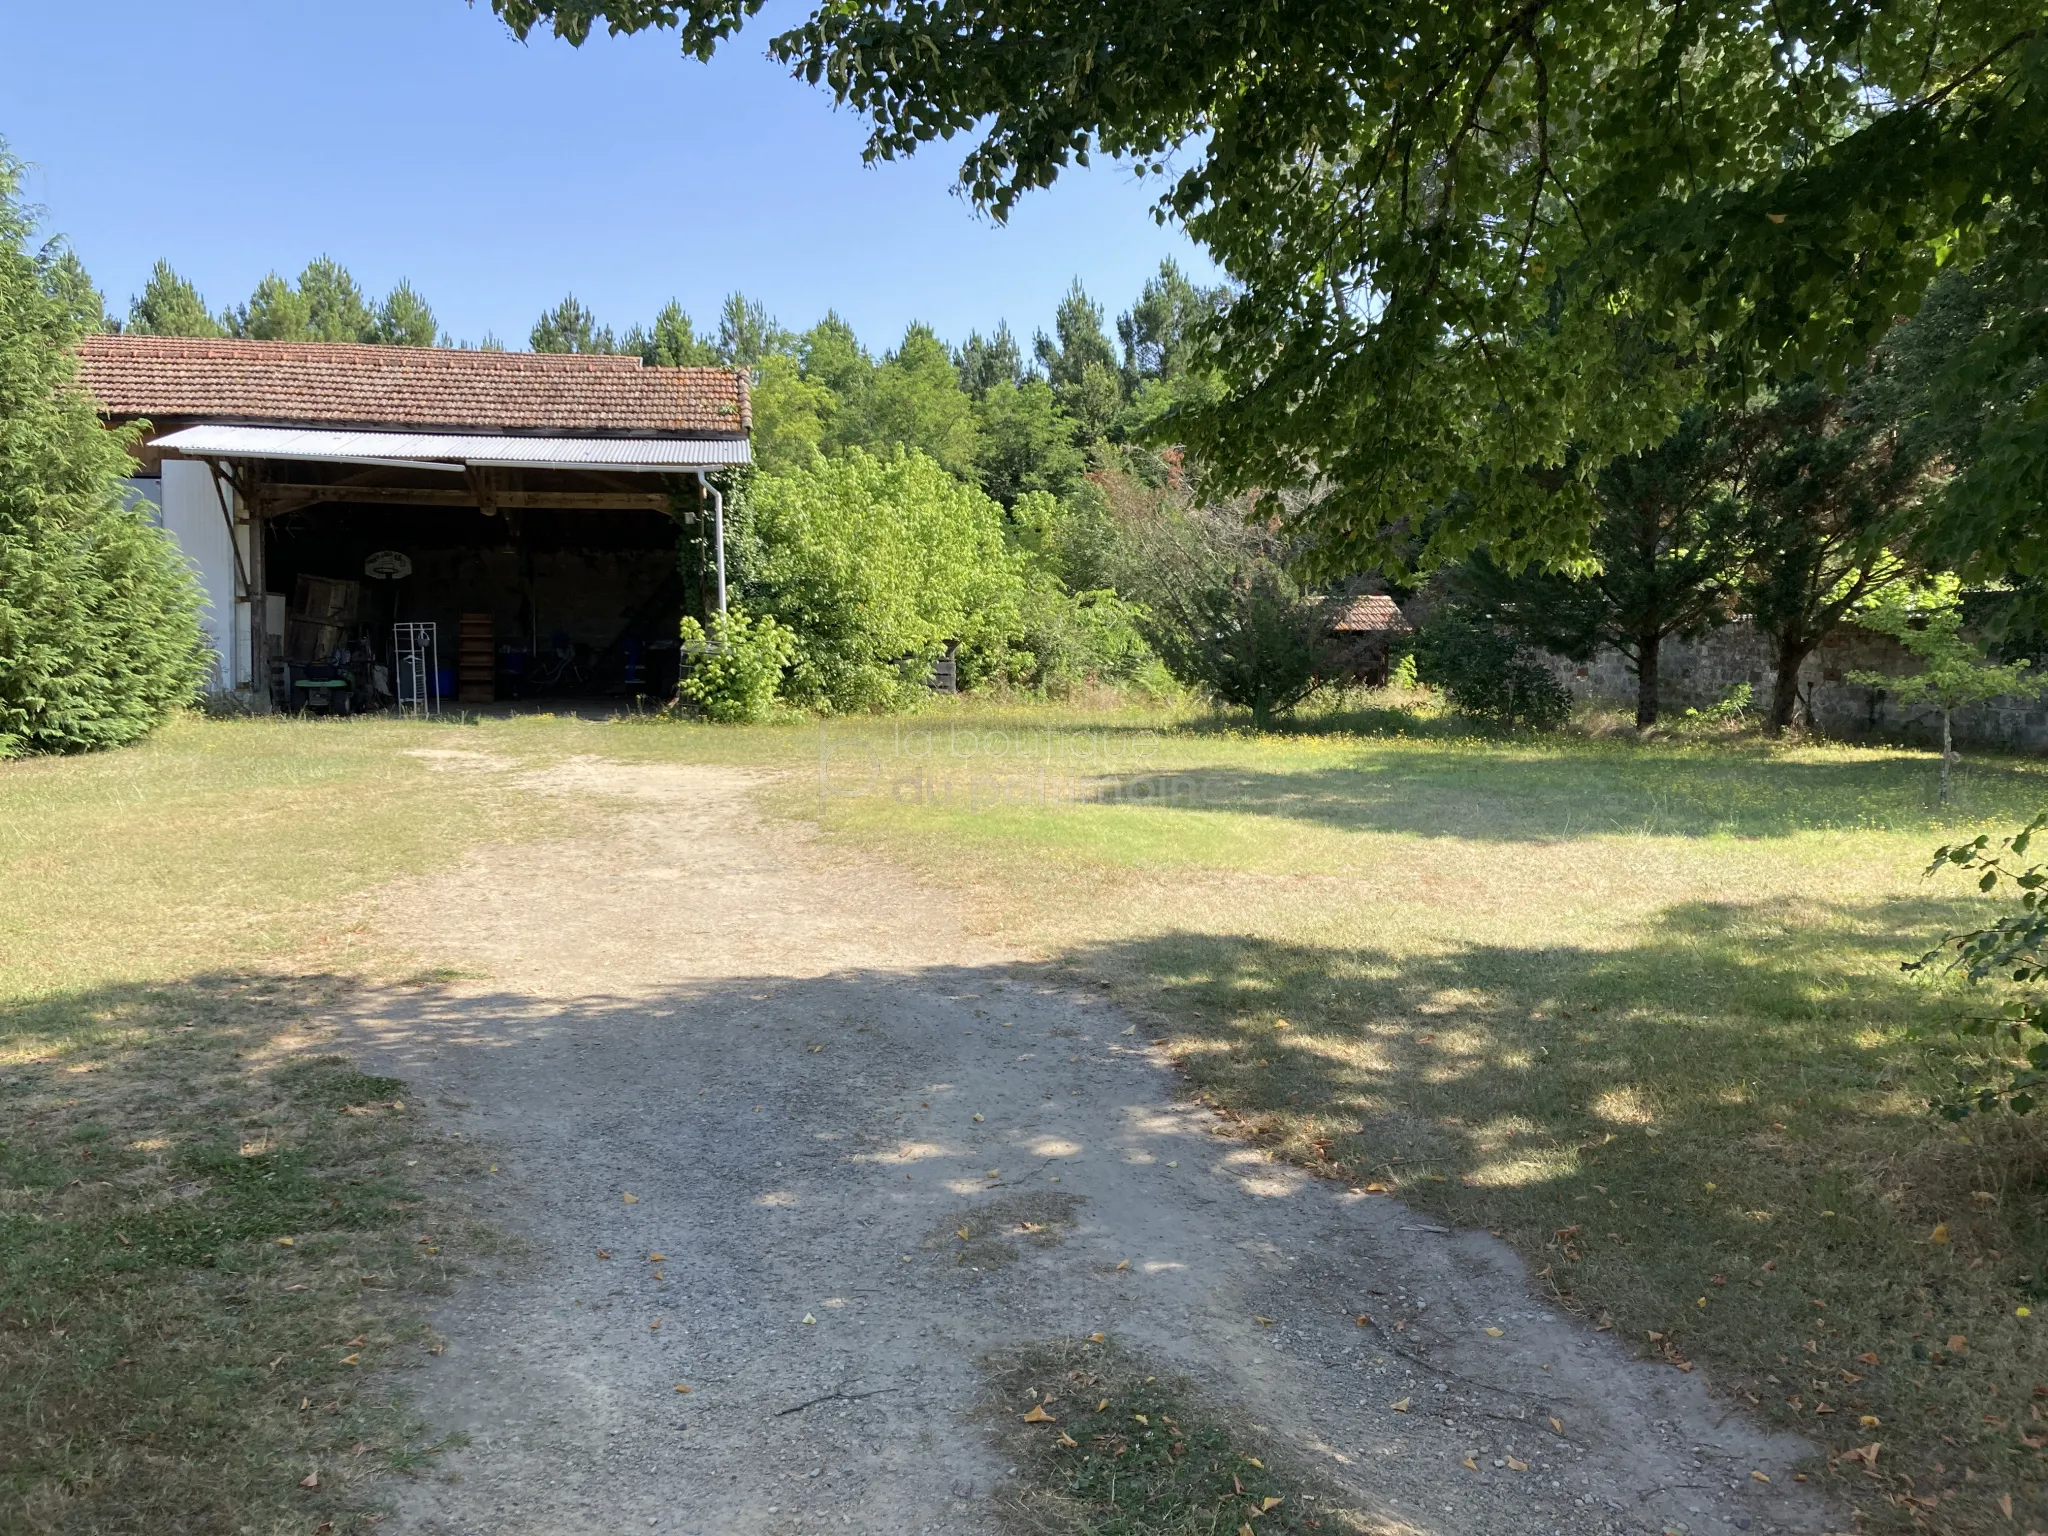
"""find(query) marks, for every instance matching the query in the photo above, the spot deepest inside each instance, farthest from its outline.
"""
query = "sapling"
(1928, 622)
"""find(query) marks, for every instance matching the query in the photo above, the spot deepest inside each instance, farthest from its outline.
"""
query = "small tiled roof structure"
(176, 378)
(1373, 614)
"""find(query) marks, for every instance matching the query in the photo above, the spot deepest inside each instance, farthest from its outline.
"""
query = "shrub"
(2004, 1063)
(877, 564)
(99, 630)
(735, 671)
(1249, 640)
(1071, 639)
(1485, 672)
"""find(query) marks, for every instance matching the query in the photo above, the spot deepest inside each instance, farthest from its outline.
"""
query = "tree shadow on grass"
(1716, 1137)
(1503, 794)
(195, 1210)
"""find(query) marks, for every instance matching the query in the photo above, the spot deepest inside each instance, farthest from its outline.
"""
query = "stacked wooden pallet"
(477, 660)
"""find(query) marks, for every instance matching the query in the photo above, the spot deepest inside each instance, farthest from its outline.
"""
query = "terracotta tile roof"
(169, 378)
(1371, 615)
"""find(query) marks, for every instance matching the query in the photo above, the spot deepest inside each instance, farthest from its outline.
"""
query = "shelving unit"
(477, 660)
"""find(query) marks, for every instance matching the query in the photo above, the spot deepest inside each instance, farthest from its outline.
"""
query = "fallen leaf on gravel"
(629, 1199)
(1363, 1320)
(655, 1326)
(682, 1389)
(1268, 1504)
(1263, 1322)
(1376, 1189)
(1255, 1462)
(604, 1253)
(1099, 1407)
(2005, 1505)
(1869, 1421)
(310, 1480)
(1067, 1440)
(1246, 1529)
(1126, 1264)
(1759, 1477)
(437, 1349)
(977, 1119)
(1132, 1030)
(809, 1320)
(995, 1172)
(1402, 1406)
(657, 1258)
(1939, 1234)
(1493, 1333)
(361, 1338)
(1517, 1466)
(1140, 1418)
(1958, 1344)
(1471, 1464)
(961, 1233)
(351, 1359)
(1557, 1425)
(1038, 1415)
(1096, 1338)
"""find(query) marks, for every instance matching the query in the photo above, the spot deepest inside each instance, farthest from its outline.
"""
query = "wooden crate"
(306, 640)
(477, 660)
(323, 600)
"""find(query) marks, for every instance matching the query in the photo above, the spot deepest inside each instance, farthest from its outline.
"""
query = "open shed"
(1363, 632)
(552, 517)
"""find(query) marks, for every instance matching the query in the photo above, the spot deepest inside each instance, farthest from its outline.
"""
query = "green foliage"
(1026, 442)
(335, 307)
(734, 671)
(2004, 1064)
(747, 333)
(170, 306)
(1928, 622)
(1729, 709)
(569, 327)
(99, 636)
(404, 319)
(1666, 547)
(70, 286)
(1954, 671)
(1432, 215)
(672, 342)
(1833, 485)
(1247, 640)
(985, 362)
(1484, 671)
(877, 564)
(1069, 640)
(914, 399)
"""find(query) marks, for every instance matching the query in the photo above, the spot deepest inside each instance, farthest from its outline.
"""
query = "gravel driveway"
(699, 1034)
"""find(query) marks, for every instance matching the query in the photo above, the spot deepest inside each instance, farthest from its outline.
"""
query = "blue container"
(446, 677)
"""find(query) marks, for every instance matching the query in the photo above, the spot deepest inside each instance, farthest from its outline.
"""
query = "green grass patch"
(1112, 1450)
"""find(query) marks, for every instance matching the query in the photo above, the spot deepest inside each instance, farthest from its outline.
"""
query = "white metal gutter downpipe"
(717, 531)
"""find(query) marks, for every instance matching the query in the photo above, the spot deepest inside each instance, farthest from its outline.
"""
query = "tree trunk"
(1646, 682)
(1948, 753)
(1792, 652)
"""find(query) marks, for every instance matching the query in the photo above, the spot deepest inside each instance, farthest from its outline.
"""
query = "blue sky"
(415, 138)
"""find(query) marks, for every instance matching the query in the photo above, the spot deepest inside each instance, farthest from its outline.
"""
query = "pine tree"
(99, 631)
(170, 306)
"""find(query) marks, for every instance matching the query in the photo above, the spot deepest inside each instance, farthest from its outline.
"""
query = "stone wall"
(1698, 673)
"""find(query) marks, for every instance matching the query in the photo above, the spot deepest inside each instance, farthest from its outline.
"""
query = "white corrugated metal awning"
(452, 451)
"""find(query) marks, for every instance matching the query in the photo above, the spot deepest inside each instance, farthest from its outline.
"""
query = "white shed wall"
(192, 515)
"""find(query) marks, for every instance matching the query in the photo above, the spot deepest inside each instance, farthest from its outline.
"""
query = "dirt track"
(808, 1078)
